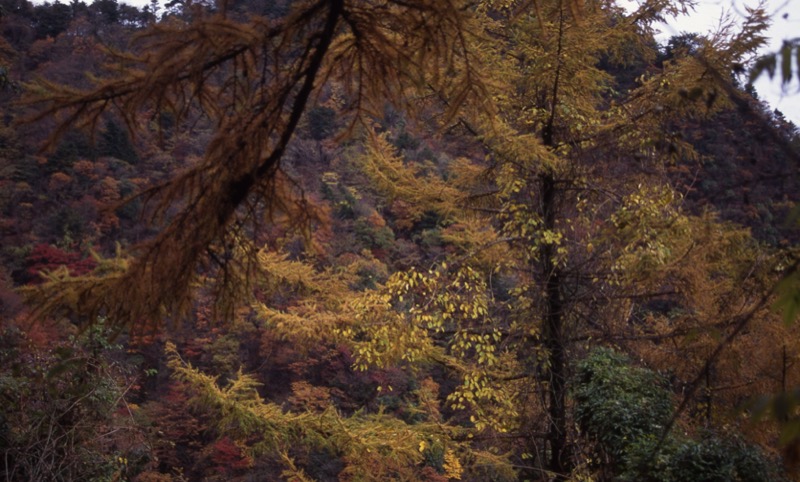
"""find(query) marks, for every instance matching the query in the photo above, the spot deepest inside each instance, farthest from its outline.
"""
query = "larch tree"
(592, 232)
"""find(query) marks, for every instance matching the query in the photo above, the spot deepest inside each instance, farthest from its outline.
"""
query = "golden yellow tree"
(582, 206)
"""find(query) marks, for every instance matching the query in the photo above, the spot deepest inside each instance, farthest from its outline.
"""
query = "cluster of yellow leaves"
(646, 225)
(441, 316)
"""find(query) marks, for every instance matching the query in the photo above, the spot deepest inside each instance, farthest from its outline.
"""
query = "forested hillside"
(415, 240)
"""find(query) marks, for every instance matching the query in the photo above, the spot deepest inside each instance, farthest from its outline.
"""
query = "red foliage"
(226, 456)
(42, 334)
(48, 258)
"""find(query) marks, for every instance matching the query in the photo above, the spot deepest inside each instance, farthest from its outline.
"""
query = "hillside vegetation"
(415, 240)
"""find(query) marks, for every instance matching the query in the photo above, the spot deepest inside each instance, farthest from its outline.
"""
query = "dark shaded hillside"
(748, 156)
(747, 172)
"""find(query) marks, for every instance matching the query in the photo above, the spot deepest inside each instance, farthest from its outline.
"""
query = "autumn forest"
(411, 240)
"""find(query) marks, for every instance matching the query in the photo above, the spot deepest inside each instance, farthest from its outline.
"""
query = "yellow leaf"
(452, 466)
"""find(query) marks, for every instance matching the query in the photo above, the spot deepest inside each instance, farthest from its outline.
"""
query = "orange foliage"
(58, 181)
(85, 169)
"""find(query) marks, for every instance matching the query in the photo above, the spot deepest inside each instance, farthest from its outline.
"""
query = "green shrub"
(617, 403)
(625, 409)
(713, 458)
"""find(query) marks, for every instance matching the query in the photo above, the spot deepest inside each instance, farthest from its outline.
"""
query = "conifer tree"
(592, 228)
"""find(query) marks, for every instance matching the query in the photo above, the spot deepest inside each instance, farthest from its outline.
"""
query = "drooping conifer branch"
(270, 71)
